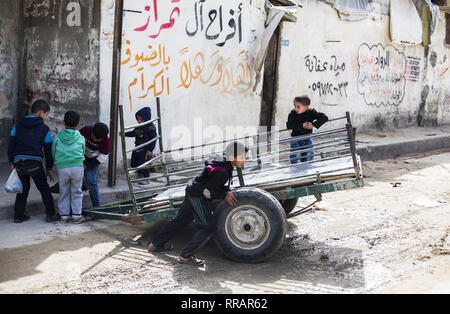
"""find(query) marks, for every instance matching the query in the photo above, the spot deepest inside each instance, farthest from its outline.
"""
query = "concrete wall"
(333, 61)
(9, 61)
(61, 57)
(181, 54)
(197, 56)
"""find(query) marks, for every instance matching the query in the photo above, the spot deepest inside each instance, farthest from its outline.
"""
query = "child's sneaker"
(52, 218)
(65, 220)
(79, 220)
(20, 220)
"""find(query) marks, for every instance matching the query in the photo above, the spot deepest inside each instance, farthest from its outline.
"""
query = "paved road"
(390, 236)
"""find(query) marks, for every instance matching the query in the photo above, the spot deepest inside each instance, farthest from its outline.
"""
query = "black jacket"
(31, 137)
(216, 177)
(146, 133)
(295, 121)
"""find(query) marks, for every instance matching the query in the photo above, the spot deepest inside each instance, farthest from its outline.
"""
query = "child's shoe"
(52, 218)
(79, 220)
(20, 220)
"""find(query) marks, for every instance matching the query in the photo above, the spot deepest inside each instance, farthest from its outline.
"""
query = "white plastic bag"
(14, 185)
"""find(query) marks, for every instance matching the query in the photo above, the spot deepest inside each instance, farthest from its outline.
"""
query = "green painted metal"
(124, 161)
(160, 215)
(132, 210)
(114, 211)
(103, 215)
(240, 176)
(161, 146)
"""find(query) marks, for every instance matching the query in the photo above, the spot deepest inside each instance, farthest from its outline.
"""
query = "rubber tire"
(275, 214)
(289, 205)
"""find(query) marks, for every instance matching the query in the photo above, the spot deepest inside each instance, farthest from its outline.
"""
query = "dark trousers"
(138, 158)
(27, 169)
(192, 208)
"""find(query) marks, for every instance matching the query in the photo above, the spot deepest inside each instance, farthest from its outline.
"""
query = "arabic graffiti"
(314, 64)
(141, 64)
(381, 77)
(228, 73)
(152, 66)
(172, 18)
(413, 68)
(333, 85)
(216, 20)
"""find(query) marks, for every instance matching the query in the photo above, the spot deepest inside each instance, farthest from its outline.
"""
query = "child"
(97, 150)
(25, 144)
(301, 121)
(68, 152)
(143, 135)
(213, 183)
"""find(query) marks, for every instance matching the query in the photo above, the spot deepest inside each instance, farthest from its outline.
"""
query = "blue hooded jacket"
(31, 139)
(146, 133)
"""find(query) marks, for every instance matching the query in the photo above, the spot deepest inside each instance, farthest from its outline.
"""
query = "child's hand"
(50, 175)
(308, 126)
(149, 154)
(230, 198)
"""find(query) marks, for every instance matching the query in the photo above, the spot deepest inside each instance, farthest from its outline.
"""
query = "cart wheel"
(253, 229)
(289, 205)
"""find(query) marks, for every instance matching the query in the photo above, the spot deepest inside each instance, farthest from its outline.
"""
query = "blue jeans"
(90, 180)
(304, 156)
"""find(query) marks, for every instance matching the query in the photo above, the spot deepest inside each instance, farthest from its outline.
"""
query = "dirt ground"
(391, 236)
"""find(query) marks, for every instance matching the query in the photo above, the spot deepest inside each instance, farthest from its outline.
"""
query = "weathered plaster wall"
(9, 60)
(61, 57)
(353, 66)
(436, 83)
(197, 56)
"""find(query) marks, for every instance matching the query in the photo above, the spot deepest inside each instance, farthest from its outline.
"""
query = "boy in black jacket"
(25, 144)
(301, 121)
(213, 183)
(143, 135)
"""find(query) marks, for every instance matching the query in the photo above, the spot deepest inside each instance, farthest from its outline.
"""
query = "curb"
(35, 207)
(396, 149)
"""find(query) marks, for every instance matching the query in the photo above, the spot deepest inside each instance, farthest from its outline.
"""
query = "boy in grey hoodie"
(68, 152)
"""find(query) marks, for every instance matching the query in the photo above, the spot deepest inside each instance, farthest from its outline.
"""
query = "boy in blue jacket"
(143, 135)
(28, 138)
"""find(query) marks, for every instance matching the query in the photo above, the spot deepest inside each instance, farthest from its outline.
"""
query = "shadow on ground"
(300, 266)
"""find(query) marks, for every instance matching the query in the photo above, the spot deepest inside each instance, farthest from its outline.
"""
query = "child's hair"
(304, 100)
(40, 105)
(71, 119)
(236, 149)
(100, 130)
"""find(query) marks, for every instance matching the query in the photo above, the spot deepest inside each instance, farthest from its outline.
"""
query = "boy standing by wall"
(301, 121)
(97, 150)
(68, 152)
(28, 138)
(143, 135)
